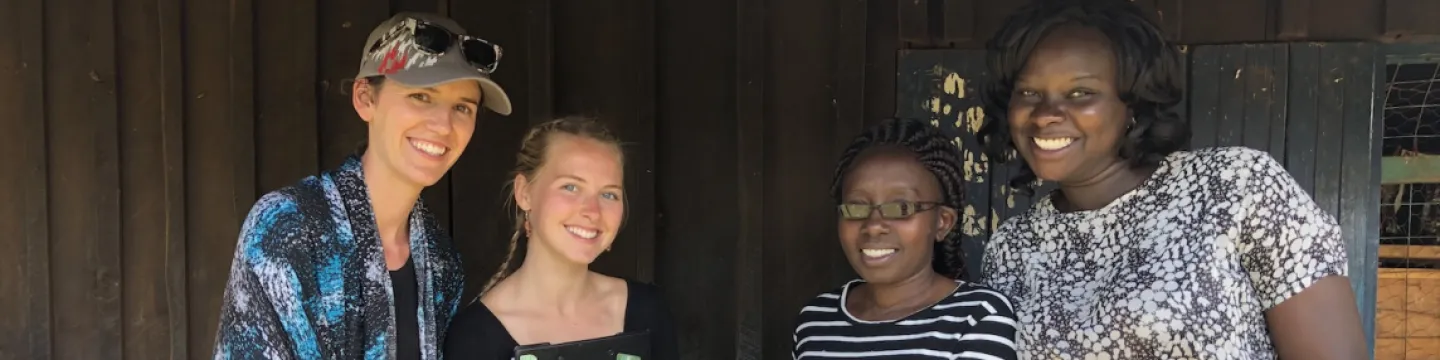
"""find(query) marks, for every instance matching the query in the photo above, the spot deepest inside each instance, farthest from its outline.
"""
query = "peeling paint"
(975, 116)
(955, 85)
(994, 219)
(935, 105)
(971, 224)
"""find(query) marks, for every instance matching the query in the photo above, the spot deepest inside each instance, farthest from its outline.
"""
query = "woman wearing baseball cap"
(350, 263)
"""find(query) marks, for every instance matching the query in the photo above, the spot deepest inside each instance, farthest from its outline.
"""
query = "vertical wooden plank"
(882, 38)
(1258, 76)
(579, 50)
(1294, 19)
(959, 23)
(1278, 99)
(991, 15)
(152, 179)
(219, 156)
(83, 149)
(24, 213)
(1329, 121)
(287, 122)
(1358, 188)
(1224, 21)
(1303, 102)
(798, 100)
(1205, 95)
(1350, 19)
(1409, 19)
(481, 227)
(697, 244)
(914, 21)
(343, 27)
(847, 79)
(1170, 18)
(751, 56)
(1230, 121)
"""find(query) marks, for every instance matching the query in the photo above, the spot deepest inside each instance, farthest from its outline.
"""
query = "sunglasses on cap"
(435, 39)
(891, 211)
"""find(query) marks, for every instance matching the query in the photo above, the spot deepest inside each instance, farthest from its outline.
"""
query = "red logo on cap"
(391, 64)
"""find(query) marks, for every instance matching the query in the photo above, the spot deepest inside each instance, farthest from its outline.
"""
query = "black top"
(477, 334)
(407, 329)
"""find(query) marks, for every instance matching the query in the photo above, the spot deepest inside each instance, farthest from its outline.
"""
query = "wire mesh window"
(1407, 319)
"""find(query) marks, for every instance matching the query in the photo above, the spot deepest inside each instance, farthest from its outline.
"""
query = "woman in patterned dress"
(1148, 251)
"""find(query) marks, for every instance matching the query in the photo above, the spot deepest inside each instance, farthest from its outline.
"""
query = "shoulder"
(473, 320)
(975, 297)
(1225, 162)
(641, 295)
(284, 216)
(476, 332)
(826, 303)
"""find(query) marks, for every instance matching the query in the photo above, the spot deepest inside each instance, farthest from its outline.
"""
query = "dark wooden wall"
(136, 135)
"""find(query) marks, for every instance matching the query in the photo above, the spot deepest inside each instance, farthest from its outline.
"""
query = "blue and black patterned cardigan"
(309, 279)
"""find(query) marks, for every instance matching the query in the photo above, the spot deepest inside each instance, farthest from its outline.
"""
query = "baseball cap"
(392, 51)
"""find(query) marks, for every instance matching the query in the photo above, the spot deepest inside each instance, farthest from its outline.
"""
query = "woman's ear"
(363, 97)
(521, 186)
(946, 223)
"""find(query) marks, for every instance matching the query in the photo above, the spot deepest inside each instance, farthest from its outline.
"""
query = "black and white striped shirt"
(975, 322)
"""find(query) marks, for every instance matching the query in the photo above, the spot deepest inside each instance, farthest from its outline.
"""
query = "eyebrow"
(432, 90)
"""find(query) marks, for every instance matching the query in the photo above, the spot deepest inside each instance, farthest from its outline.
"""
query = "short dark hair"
(939, 156)
(1148, 77)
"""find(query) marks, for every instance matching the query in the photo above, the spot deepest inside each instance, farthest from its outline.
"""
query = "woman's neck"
(1104, 187)
(905, 295)
(550, 282)
(391, 199)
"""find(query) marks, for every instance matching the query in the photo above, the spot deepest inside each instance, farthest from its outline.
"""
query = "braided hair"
(939, 156)
(528, 162)
(1147, 68)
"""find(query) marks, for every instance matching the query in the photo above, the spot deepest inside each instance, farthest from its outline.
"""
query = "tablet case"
(633, 345)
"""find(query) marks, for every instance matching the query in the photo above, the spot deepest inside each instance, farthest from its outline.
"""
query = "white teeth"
(1053, 143)
(428, 147)
(877, 252)
(588, 234)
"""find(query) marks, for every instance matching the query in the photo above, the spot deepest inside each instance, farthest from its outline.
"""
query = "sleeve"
(250, 326)
(469, 336)
(1001, 267)
(1286, 241)
(994, 336)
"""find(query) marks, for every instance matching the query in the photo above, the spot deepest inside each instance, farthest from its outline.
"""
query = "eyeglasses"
(891, 210)
(436, 40)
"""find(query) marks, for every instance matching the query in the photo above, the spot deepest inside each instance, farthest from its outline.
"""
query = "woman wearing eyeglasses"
(898, 186)
(351, 264)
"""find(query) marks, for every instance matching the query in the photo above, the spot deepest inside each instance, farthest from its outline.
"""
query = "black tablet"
(625, 346)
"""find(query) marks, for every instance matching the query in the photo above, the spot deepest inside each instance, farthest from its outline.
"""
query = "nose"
(1047, 113)
(874, 225)
(590, 208)
(439, 121)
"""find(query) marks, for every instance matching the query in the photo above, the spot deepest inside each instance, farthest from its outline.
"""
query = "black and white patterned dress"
(1182, 267)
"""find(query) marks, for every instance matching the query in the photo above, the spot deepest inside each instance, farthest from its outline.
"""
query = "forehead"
(890, 168)
(468, 89)
(588, 158)
(1070, 49)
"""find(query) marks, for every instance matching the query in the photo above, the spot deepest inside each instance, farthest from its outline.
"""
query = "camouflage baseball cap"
(393, 51)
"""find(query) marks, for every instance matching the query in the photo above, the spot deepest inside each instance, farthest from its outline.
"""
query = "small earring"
(607, 249)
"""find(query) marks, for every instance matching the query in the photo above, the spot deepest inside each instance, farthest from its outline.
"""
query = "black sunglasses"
(436, 40)
(891, 210)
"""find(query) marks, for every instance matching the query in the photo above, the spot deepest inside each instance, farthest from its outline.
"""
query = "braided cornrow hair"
(529, 160)
(938, 155)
